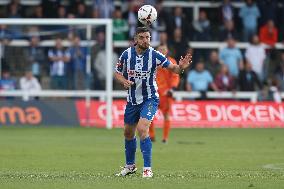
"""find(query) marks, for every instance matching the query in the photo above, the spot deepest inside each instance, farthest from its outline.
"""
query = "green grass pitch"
(88, 158)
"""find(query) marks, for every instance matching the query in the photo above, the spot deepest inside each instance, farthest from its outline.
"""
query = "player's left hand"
(185, 62)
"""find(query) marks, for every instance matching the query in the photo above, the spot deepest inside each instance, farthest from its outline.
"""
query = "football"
(147, 15)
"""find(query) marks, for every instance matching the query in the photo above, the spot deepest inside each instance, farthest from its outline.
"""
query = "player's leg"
(166, 129)
(147, 114)
(131, 118)
(130, 144)
(165, 108)
(152, 131)
(145, 145)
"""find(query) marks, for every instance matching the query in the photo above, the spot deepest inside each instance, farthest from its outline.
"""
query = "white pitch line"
(276, 166)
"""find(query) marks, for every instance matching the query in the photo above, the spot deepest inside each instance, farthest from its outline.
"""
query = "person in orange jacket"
(166, 82)
(268, 34)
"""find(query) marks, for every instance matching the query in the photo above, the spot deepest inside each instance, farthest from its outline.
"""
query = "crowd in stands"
(259, 22)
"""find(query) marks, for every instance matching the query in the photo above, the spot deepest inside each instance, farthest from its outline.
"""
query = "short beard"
(143, 48)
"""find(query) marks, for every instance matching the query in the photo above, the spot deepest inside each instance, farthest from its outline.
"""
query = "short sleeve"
(190, 77)
(240, 56)
(50, 53)
(67, 53)
(121, 62)
(242, 12)
(257, 13)
(161, 60)
(221, 54)
(209, 77)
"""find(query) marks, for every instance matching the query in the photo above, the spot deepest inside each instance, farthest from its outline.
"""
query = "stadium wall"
(35, 113)
(184, 114)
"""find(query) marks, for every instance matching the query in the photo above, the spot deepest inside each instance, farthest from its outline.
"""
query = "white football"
(147, 14)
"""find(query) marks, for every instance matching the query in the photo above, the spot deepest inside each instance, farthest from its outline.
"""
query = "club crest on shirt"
(138, 74)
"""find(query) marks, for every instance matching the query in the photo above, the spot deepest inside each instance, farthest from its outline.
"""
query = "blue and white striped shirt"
(141, 69)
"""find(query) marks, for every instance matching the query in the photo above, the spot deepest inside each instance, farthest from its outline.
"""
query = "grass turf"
(39, 158)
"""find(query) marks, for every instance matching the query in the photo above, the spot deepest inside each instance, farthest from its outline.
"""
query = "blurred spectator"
(5, 38)
(81, 11)
(100, 43)
(15, 9)
(214, 64)
(249, 14)
(228, 31)
(178, 20)
(248, 79)
(202, 32)
(274, 92)
(232, 57)
(5, 34)
(6, 82)
(279, 73)
(74, 30)
(103, 8)
(61, 12)
(255, 54)
(268, 10)
(227, 11)
(77, 65)
(269, 34)
(224, 81)
(73, 6)
(38, 12)
(200, 79)
(50, 8)
(100, 69)
(131, 17)
(33, 31)
(178, 46)
(35, 57)
(14, 13)
(62, 29)
(163, 38)
(120, 26)
(201, 27)
(58, 58)
(29, 83)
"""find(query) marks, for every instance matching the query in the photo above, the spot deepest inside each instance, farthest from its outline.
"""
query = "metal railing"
(101, 95)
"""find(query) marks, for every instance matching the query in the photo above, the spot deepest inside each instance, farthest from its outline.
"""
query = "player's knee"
(128, 134)
(143, 131)
(167, 116)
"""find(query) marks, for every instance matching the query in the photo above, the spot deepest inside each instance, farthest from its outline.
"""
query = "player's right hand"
(127, 84)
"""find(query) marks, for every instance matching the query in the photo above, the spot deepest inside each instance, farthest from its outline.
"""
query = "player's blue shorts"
(146, 109)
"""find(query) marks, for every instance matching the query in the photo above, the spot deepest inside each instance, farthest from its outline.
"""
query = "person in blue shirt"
(77, 66)
(58, 58)
(136, 71)
(7, 83)
(232, 57)
(249, 15)
(200, 79)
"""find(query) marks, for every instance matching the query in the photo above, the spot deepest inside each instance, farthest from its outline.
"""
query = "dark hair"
(141, 30)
